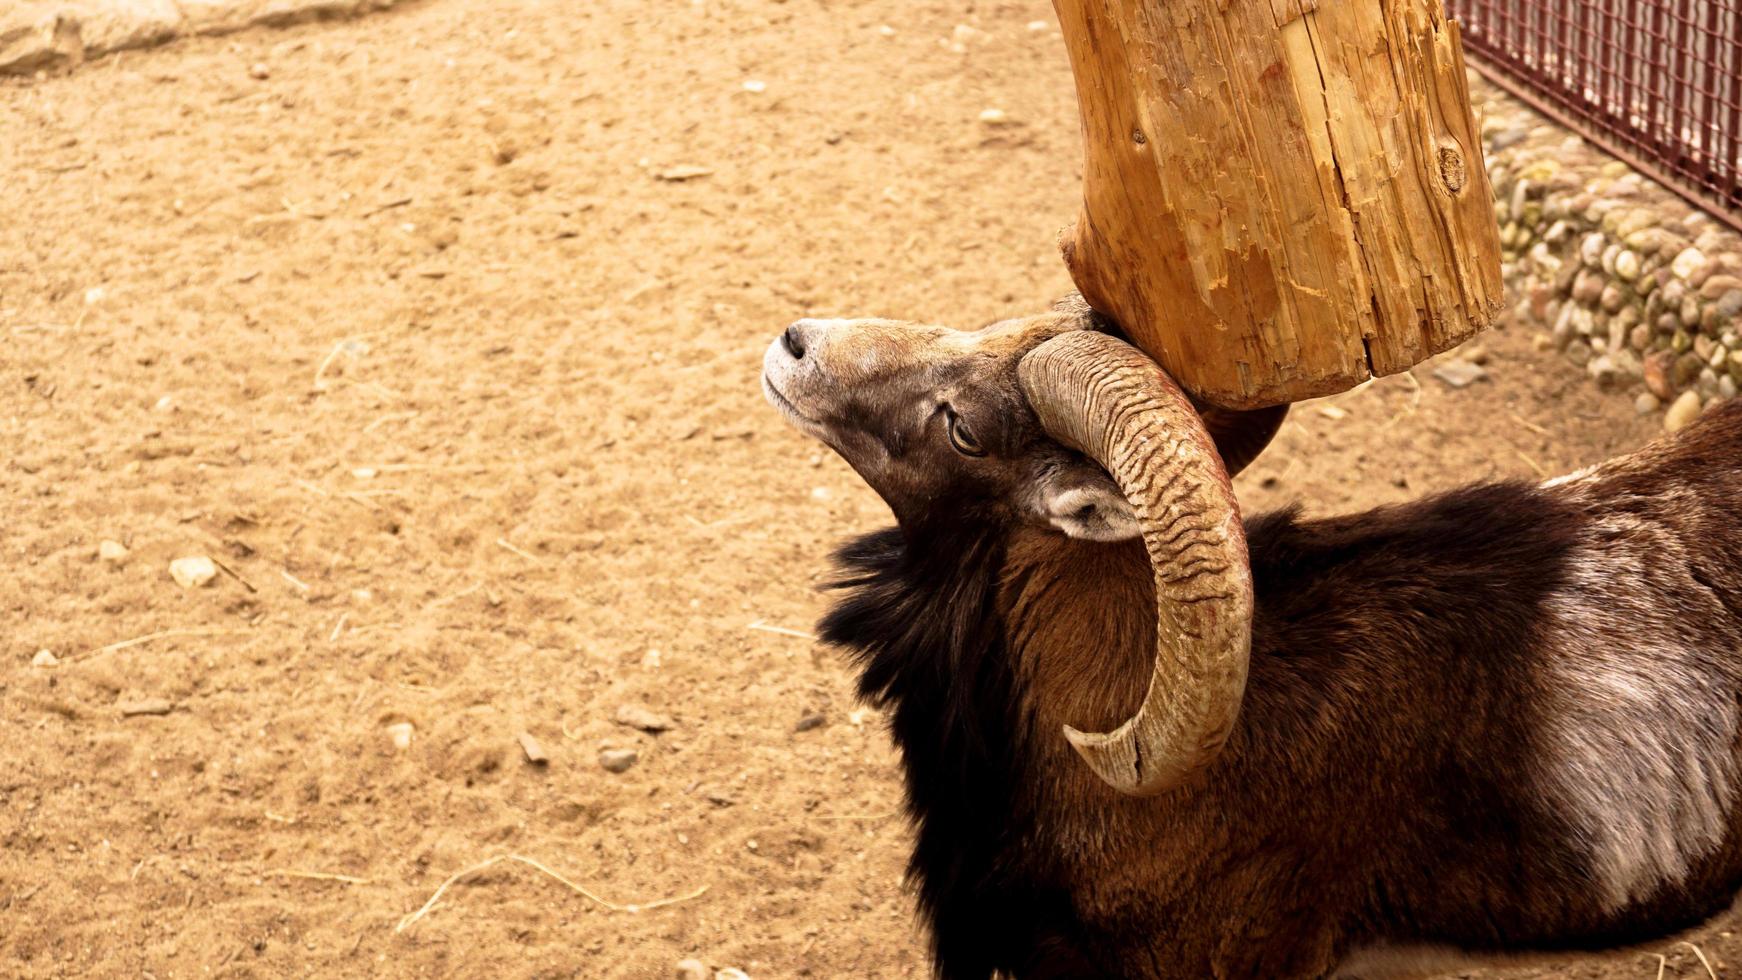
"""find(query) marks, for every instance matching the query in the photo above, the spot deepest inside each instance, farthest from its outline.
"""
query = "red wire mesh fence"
(1656, 82)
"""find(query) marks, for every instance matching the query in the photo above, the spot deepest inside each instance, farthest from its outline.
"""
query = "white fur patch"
(1637, 747)
(1572, 477)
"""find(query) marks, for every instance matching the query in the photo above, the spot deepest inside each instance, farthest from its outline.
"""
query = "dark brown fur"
(1384, 783)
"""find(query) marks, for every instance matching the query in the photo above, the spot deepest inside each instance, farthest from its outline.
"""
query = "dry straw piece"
(411, 919)
(162, 635)
(318, 876)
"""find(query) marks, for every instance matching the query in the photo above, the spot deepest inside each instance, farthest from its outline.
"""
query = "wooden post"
(1282, 198)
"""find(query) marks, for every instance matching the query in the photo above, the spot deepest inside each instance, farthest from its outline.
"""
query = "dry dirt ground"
(414, 337)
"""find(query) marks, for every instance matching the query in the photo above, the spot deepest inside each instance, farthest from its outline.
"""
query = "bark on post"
(1282, 198)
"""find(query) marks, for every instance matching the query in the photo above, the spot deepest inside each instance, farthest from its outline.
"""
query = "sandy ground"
(413, 337)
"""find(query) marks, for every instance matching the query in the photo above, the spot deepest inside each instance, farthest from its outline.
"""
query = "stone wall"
(1623, 279)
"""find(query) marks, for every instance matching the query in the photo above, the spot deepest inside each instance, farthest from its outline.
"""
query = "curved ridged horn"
(1106, 399)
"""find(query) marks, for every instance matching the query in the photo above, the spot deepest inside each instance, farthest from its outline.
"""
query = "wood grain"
(1281, 198)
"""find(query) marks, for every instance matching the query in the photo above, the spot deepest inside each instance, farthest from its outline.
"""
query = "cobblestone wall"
(1623, 279)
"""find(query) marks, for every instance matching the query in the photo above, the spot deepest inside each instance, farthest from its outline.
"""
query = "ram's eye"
(960, 436)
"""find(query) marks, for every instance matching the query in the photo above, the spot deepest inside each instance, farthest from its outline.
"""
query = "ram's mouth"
(791, 411)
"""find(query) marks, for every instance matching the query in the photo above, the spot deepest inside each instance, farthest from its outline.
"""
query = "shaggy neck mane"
(922, 623)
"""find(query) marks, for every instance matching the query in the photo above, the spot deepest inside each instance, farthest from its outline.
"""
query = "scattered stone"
(1690, 261)
(1508, 138)
(535, 753)
(1684, 410)
(635, 716)
(1609, 255)
(719, 797)
(1726, 387)
(1474, 353)
(144, 706)
(755, 86)
(731, 972)
(1646, 403)
(1579, 352)
(193, 571)
(1589, 287)
(684, 172)
(400, 734)
(1613, 297)
(618, 760)
(1690, 312)
(1627, 265)
(810, 721)
(45, 658)
(1602, 371)
(259, 71)
(1459, 373)
(1717, 286)
(690, 970)
(995, 117)
(113, 552)
(1703, 347)
(1639, 338)
(1729, 305)
(1687, 367)
(1591, 248)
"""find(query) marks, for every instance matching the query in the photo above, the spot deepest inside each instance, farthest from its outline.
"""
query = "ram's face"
(935, 420)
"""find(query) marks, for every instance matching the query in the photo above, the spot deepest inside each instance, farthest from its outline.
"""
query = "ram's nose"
(792, 339)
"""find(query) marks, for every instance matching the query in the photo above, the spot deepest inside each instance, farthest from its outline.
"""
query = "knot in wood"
(1452, 172)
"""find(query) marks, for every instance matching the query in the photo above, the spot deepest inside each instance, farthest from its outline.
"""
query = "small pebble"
(995, 117)
(364, 472)
(193, 571)
(1684, 410)
(618, 760)
(1333, 413)
(755, 86)
(259, 70)
(809, 722)
(144, 706)
(684, 172)
(400, 733)
(1460, 373)
(731, 973)
(691, 970)
(535, 753)
(635, 716)
(1647, 403)
(112, 551)
(45, 658)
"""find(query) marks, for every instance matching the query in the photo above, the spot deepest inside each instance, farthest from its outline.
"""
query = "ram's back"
(1539, 686)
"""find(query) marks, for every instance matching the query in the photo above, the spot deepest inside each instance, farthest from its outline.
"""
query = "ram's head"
(1051, 420)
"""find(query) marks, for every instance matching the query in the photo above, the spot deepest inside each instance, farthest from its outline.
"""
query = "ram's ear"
(1081, 500)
